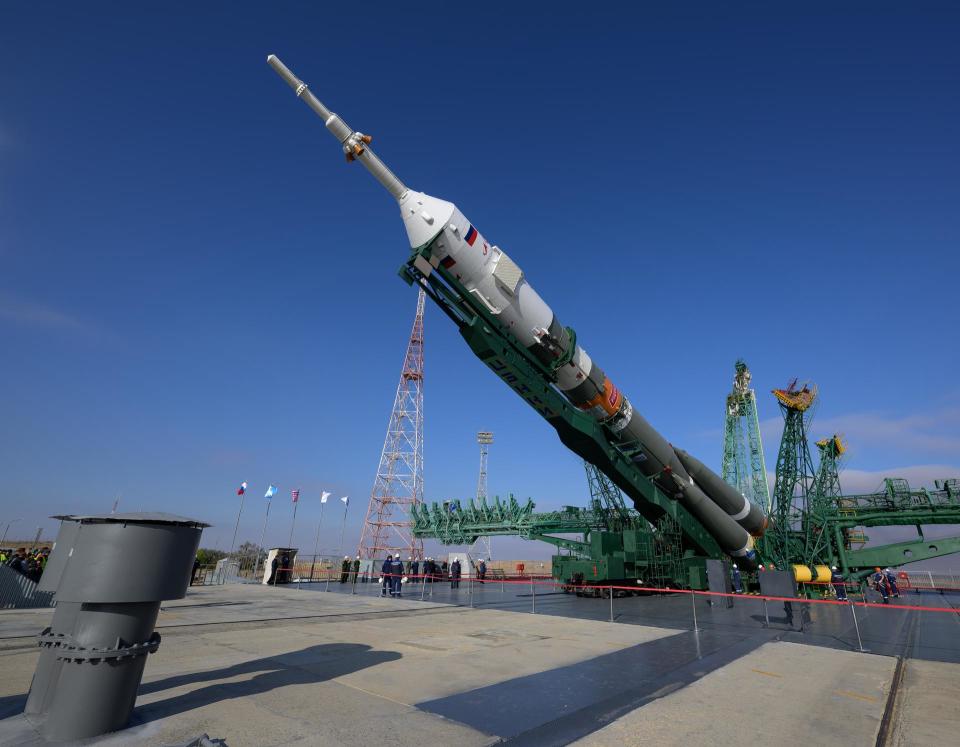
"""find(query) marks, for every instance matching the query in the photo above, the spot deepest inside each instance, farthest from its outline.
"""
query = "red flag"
(295, 494)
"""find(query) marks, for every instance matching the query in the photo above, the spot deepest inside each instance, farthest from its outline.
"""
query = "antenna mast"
(399, 481)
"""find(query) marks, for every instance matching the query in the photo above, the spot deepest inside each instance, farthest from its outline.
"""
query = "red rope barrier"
(526, 580)
(655, 589)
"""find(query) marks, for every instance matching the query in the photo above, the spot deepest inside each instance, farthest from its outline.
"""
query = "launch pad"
(254, 665)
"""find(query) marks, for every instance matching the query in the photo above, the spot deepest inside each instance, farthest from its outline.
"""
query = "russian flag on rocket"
(471, 235)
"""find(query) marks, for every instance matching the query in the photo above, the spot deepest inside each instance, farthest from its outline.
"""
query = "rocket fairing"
(495, 281)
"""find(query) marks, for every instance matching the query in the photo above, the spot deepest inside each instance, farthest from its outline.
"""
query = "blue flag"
(271, 491)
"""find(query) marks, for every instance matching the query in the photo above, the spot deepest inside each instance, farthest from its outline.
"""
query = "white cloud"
(859, 481)
(929, 432)
(29, 314)
(856, 481)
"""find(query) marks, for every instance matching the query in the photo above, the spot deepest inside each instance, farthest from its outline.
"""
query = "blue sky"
(195, 289)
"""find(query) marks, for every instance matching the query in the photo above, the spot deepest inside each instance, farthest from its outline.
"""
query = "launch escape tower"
(743, 464)
(399, 482)
(795, 477)
(484, 439)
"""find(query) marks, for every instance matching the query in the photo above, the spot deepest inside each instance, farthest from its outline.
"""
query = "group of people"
(281, 569)
(392, 577)
(883, 581)
(394, 572)
(29, 564)
(349, 570)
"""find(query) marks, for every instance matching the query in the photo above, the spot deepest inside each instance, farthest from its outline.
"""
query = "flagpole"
(316, 542)
(293, 523)
(262, 535)
(233, 542)
(343, 525)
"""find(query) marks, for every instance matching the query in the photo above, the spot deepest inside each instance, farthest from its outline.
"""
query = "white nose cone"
(424, 217)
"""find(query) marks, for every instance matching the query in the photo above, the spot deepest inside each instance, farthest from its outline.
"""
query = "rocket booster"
(495, 280)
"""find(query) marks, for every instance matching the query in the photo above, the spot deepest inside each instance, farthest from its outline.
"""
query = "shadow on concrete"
(577, 699)
(11, 705)
(310, 665)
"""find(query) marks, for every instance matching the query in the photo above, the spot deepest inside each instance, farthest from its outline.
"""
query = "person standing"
(397, 570)
(455, 574)
(286, 568)
(33, 568)
(737, 581)
(345, 569)
(880, 584)
(839, 585)
(19, 561)
(415, 568)
(892, 583)
(481, 570)
(385, 576)
(355, 570)
(273, 570)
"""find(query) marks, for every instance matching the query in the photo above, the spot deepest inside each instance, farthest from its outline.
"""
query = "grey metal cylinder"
(746, 514)
(109, 574)
(676, 482)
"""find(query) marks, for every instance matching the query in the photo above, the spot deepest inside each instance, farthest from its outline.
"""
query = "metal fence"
(19, 592)
(916, 623)
(930, 580)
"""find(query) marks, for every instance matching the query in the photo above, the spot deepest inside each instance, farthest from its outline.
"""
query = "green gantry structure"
(743, 464)
(657, 539)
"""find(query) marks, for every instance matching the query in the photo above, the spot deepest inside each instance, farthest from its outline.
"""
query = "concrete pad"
(781, 693)
(926, 709)
(262, 666)
(481, 648)
(346, 671)
(232, 604)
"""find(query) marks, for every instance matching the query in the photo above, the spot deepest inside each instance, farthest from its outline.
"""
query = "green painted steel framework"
(783, 544)
(814, 524)
(533, 381)
(743, 465)
(805, 530)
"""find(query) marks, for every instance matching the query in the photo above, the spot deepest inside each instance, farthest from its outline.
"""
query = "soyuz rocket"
(495, 280)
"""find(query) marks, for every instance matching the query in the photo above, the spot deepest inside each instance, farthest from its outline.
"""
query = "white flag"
(324, 496)
(346, 500)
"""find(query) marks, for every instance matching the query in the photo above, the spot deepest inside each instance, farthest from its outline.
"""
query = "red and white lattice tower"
(399, 481)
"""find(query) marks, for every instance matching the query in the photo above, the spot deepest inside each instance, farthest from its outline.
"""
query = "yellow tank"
(818, 574)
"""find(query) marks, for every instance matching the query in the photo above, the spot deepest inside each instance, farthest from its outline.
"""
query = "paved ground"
(927, 708)
(793, 698)
(263, 666)
(894, 630)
